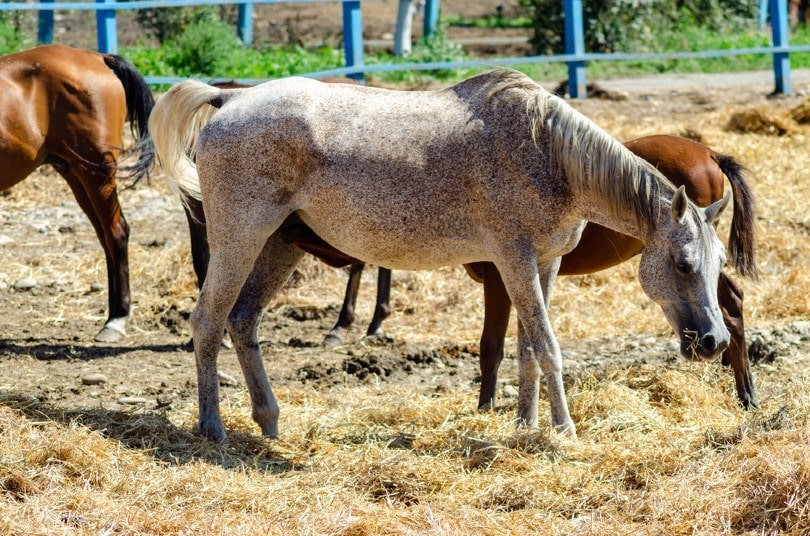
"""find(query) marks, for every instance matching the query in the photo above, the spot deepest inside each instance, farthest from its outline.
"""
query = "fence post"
(107, 29)
(575, 44)
(779, 31)
(431, 18)
(45, 25)
(244, 23)
(353, 36)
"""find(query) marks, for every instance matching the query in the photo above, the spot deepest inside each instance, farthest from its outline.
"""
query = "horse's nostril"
(709, 344)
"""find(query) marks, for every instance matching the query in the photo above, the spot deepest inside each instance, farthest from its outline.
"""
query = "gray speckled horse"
(491, 169)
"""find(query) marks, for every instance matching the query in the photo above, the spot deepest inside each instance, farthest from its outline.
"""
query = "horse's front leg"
(270, 272)
(730, 296)
(199, 241)
(529, 286)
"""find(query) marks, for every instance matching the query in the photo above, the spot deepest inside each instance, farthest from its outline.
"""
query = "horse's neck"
(621, 216)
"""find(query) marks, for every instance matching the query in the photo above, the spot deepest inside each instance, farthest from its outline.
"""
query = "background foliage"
(637, 25)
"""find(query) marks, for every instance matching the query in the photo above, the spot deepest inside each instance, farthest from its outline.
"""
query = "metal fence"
(575, 57)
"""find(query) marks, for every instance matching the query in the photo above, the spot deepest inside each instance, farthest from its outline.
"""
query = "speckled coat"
(491, 169)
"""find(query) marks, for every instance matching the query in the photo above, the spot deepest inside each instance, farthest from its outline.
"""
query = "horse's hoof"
(331, 340)
(217, 435)
(750, 403)
(109, 334)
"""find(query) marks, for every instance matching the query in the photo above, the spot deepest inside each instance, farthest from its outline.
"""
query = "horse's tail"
(742, 239)
(175, 124)
(139, 105)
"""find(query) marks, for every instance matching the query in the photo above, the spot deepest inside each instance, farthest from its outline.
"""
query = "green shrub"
(636, 25)
(165, 24)
(205, 47)
(12, 38)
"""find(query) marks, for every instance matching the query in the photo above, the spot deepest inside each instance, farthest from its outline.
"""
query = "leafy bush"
(166, 24)
(636, 25)
(12, 38)
(205, 48)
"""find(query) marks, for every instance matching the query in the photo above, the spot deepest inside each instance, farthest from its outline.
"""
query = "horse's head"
(679, 269)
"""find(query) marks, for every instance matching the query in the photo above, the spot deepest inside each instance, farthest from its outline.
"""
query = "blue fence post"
(431, 17)
(575, 44)
(107, 29)
(45, 25)
(353, 36)
(779, 31)
(244, 23)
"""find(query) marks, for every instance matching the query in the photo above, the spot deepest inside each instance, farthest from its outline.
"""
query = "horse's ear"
(680, 204)
(714, 210)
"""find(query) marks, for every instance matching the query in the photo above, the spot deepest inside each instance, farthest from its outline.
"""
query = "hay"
(761, 121)
(801, 112)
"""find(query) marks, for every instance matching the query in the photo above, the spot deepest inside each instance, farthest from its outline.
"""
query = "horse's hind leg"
(730, 297)
(233, 256)
(270, 272)
(346, 315)
(383, 306)
(96, 195)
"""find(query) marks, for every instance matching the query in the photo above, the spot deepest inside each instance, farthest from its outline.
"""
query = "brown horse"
(684, 162)
(67, 108)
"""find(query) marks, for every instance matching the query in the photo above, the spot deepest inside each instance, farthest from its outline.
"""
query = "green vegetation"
(201, 42)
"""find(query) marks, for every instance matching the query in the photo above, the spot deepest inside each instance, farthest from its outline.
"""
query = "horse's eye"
(684, 268)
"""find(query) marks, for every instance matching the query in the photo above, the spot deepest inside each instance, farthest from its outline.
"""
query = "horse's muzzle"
(703, 348)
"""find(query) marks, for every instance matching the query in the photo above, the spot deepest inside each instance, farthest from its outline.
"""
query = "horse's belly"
(396, 243)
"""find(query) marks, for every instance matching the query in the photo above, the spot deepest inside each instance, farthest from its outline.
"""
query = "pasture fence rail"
(575, 56)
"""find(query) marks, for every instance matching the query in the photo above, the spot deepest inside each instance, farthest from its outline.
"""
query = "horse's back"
(686, 163)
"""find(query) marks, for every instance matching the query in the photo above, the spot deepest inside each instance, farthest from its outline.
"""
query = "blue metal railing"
(575, 56)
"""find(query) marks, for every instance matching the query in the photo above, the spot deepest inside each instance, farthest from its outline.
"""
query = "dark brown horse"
(684, 162)
(68, 108)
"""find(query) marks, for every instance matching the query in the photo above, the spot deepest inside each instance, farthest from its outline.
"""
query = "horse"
(685, 162)
(493, 168)
(68, 107)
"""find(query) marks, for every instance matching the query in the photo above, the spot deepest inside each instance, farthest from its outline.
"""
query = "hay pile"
(665, 453)
(770, 121)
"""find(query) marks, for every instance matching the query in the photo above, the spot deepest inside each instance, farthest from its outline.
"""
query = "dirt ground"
(46, 348)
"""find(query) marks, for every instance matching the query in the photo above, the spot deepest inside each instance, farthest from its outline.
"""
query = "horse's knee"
(243, 325)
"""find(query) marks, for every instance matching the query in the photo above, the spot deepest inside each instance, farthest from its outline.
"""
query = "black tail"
(742, 239)
(139, 105)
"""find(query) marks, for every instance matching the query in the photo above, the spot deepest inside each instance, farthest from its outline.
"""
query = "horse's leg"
(497, 307)
(98, 199)
(233, 256)
(346, 316)
(730, 296)
(199, 242)
(270, 272)
(383, 306)
(529, 286)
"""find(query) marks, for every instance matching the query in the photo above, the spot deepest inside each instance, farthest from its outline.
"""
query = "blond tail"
(175, 124)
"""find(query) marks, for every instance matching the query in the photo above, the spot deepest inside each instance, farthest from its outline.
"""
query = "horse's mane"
(590, 158)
